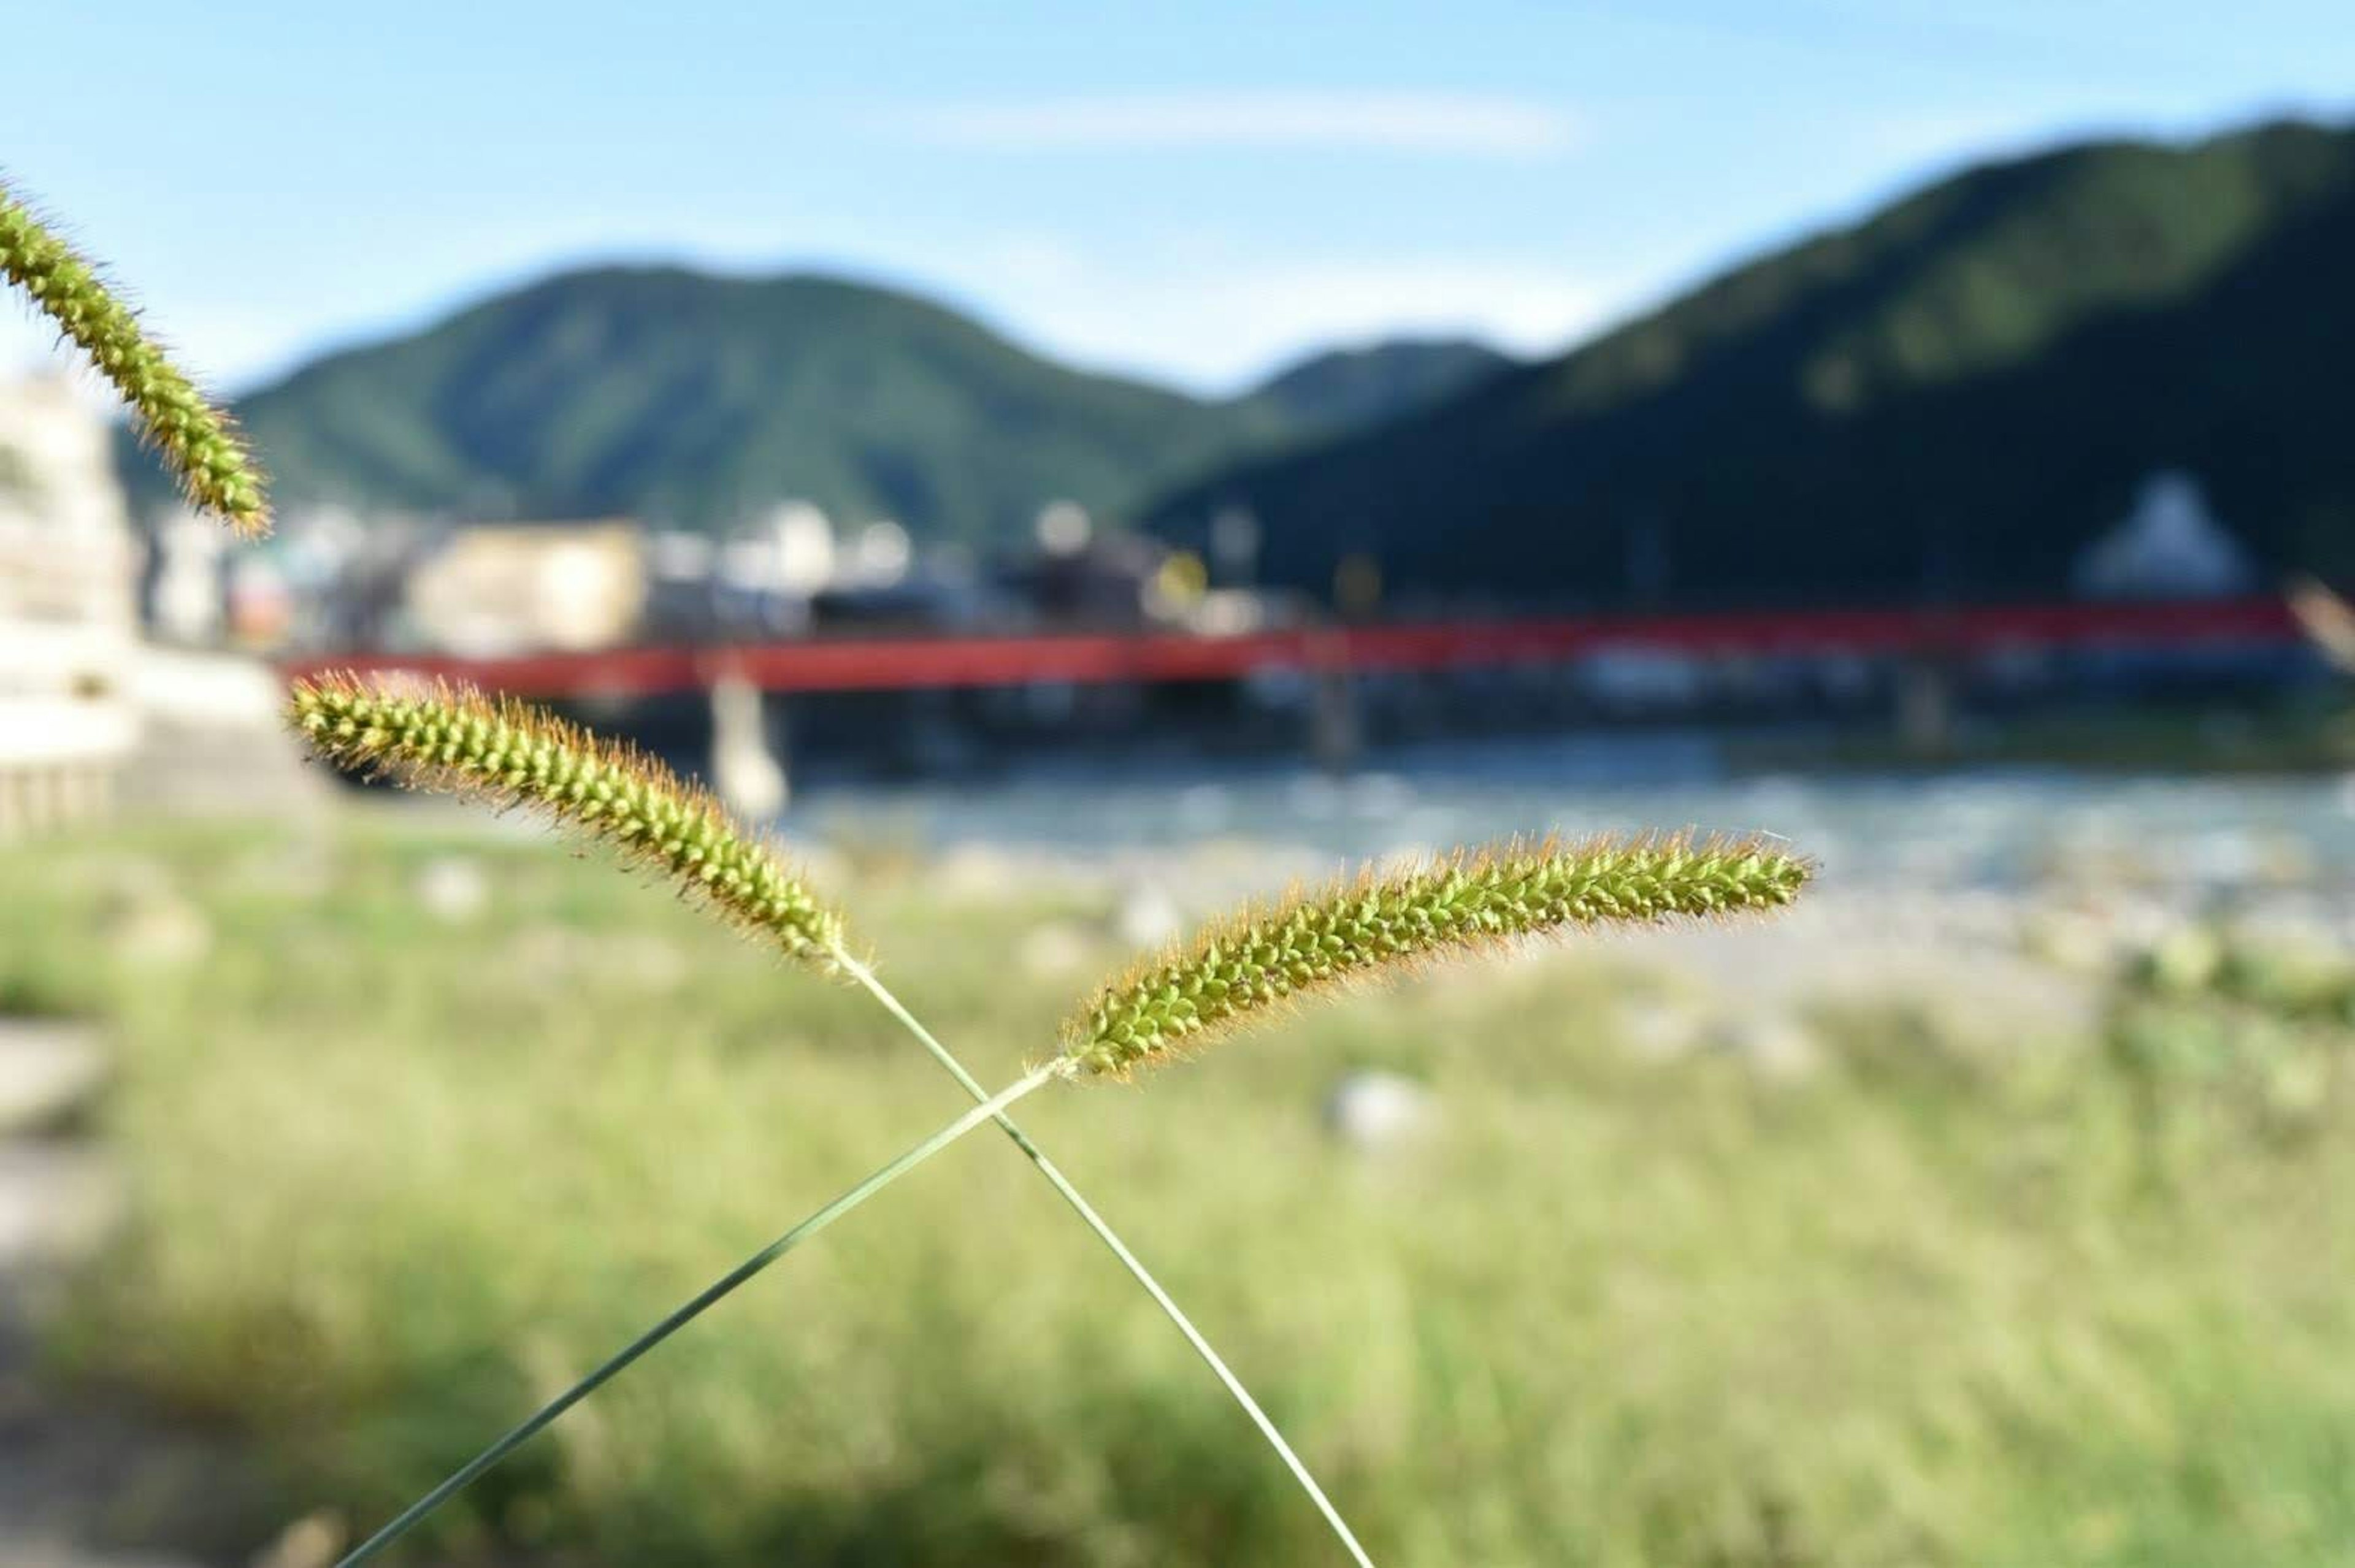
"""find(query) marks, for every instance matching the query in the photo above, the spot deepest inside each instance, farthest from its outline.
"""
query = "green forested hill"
(688, 398)
(1949, 397)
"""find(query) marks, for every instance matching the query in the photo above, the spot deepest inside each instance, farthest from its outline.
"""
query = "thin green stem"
(1104, 1234)
(415, 1514)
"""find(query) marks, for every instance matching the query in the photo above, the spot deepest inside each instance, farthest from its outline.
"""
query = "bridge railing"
(914, 662)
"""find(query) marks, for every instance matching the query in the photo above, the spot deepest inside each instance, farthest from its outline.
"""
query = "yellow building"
(501, 588)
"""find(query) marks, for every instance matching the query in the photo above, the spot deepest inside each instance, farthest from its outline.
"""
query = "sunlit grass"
(397, 1179)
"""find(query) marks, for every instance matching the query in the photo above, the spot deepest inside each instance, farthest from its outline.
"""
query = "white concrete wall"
(69, 572)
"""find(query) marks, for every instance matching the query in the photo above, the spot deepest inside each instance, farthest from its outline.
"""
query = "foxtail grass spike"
(1373, 925)
(1128, 1260)
(199, 443)
(452, 738)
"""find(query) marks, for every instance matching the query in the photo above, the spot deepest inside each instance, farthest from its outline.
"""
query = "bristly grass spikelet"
(444, 737)
(199, 443)
(437, 736)
(1372, 925)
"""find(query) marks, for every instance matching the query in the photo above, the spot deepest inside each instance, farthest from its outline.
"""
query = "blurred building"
(878, 558)
(499, 588)
(324, 577)
(2169, 547)
(1082, 575)
(69, 592)
(767, 573)
(684, 592)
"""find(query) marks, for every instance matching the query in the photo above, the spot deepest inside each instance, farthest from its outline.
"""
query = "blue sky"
(1191, 190)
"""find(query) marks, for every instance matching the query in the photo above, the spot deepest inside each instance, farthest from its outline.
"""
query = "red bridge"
(918, 660)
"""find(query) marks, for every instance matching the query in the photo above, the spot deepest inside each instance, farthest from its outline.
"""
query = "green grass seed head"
(1373, 926)
(199, 443)
(453, 738)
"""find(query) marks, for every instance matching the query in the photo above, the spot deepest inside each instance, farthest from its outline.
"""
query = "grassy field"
(396, 1177)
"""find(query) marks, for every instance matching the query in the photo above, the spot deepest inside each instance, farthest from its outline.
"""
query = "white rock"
(1372, 1111)
(48, 1071)
(454, 889)
(1148, 916)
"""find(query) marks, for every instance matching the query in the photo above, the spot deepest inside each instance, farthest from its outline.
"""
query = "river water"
(1995, 828)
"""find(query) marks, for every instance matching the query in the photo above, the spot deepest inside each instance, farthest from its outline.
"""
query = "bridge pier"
(748, 766)
(1335, 733)
(1926, 707)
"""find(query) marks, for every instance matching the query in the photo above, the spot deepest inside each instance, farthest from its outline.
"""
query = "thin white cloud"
(1458, 124)
(1217, 319)
(1213, 311)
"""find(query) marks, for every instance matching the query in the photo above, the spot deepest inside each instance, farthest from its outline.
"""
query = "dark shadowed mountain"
(1949, 399)
(688, 398)
(1345, 389)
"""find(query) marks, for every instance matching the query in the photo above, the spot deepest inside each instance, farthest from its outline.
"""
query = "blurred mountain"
(693, 400)
(1949, 399)
(1343, 389)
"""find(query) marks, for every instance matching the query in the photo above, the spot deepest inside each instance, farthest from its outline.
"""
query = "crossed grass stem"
(1231, 973)
(1128, 1260)
(986, 1107)
(452, 738)
(695, 1307)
